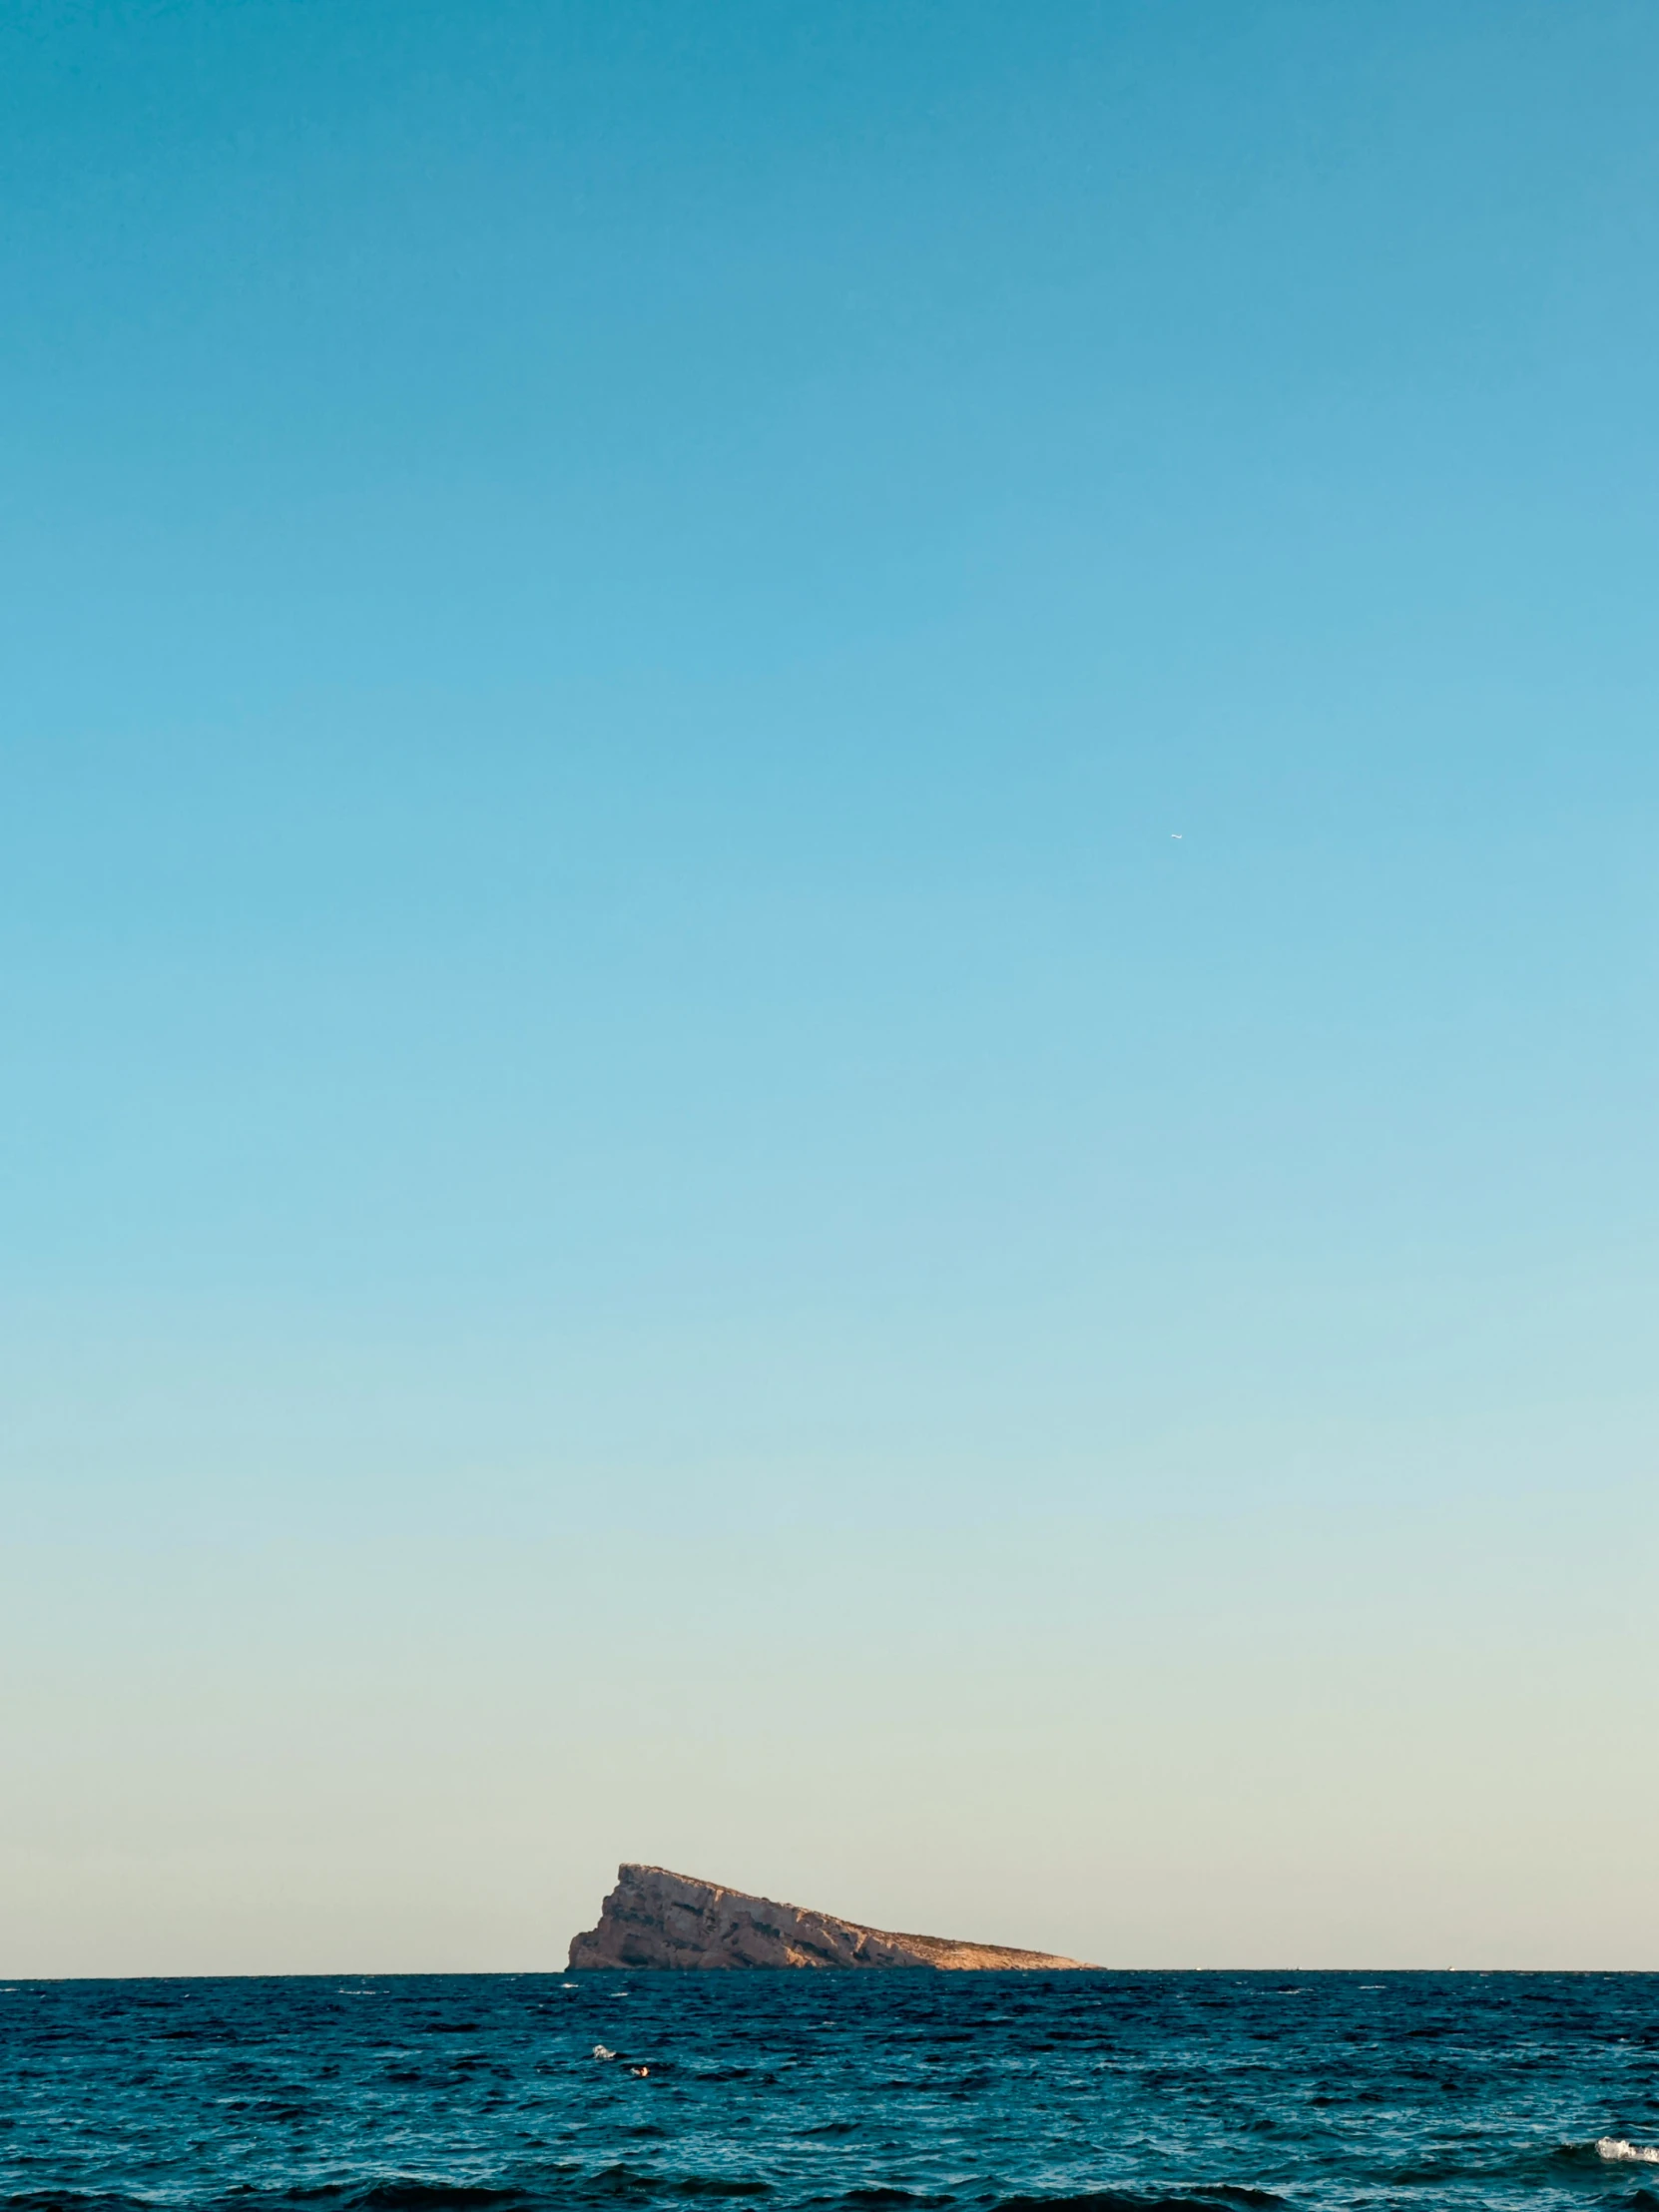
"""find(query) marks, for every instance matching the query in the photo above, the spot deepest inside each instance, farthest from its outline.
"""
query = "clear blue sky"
(828, 932)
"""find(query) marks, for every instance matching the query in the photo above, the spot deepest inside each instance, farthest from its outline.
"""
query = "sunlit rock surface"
(657, 1919)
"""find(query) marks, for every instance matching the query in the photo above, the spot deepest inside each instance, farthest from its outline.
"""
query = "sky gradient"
(828, 943)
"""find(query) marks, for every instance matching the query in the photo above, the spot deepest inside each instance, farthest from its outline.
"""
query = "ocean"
(507, 2092)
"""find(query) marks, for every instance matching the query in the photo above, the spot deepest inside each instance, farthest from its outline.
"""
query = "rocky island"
(657, 1919)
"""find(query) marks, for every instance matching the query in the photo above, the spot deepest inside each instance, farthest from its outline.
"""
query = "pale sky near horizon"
(828, 921)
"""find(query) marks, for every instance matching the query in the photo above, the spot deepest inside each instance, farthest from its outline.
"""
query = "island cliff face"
(657, 1919)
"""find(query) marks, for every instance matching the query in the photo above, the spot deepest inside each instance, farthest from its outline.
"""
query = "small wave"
(888, 2196)
(1606, 2151)
(1208, 2196)
(412, 2195)
(406, 2193)
(715, 2185)
(1616, 2147)
(70, 2200)
(630, 2182)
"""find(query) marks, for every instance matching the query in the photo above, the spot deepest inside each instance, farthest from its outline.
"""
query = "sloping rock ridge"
(657, 1919)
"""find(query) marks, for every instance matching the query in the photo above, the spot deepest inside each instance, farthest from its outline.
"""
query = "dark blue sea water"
(483, 2093)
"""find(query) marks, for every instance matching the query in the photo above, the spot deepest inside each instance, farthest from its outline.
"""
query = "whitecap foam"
(1615, 2147)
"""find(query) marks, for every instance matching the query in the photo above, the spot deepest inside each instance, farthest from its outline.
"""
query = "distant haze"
(828, 915)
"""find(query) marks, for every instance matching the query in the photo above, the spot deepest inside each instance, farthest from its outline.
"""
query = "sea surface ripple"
(1097, 2091)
